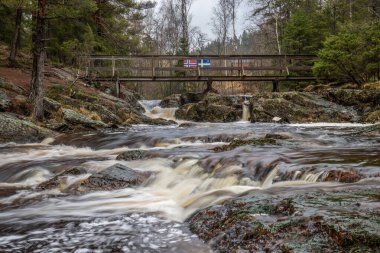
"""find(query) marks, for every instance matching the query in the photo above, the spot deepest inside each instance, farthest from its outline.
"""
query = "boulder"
(20, 130)
(106, 115)
(205, 112)
(172, 101)
(5, 102)
(113, 178)
(191, 97)
(75, 118)
(297, 107)
(132, 155)
(60, 179)
(133, 100)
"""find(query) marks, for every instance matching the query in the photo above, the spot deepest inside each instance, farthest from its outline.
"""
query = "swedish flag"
(204, 63)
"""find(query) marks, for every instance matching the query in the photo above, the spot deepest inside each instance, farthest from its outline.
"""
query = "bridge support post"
(117, 88)
(276, 86)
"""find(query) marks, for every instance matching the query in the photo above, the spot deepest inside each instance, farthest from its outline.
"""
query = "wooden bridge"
(190, 68)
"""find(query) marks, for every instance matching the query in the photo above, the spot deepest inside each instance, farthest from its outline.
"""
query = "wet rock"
(191, 97)
(293, 221)
(20, 130)
(132, 155)
(366, 102)
(112, 178)
(133, 100)
(204, 112)
(343, 176)
(297, 107)
(187, 125)
(75, 118)
(253, 142)
(5, 102)
(277, 136)
(173, 101)
(60, 180)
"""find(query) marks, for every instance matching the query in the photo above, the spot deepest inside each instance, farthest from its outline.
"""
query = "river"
(188, 175)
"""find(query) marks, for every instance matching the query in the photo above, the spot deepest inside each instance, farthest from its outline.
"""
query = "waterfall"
(246, 112)
(155, 111)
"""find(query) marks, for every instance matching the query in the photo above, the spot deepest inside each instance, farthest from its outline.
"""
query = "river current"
(188, 175)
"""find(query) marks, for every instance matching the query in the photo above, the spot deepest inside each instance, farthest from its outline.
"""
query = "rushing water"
(189, 175)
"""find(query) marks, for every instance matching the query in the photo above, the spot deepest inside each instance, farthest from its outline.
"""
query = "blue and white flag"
(204, 63)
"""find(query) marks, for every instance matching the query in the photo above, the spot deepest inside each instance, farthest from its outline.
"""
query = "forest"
(344, 34)
(277, 150)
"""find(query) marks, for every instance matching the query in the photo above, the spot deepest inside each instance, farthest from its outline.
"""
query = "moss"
(85, 97)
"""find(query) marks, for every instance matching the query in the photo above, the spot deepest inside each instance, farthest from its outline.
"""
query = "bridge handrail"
(180, 57)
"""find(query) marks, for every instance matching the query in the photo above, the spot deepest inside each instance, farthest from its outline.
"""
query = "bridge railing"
(222, 67)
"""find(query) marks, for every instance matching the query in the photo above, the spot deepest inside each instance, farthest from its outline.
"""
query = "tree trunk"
(185, 27)
(37, 89)
(16, 37)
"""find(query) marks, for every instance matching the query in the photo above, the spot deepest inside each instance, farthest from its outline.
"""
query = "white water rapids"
(187, 175)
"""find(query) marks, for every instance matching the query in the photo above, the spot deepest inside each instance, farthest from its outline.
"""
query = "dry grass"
(91, 115)
(372, 86)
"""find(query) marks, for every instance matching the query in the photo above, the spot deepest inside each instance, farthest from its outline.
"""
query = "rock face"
(335, 220)
(75, 118)
(366, 102)
(177, 100)
(210, 107)
(297, 107)
(5, 102)
(14, 129)
(172, 101)
(204, 112)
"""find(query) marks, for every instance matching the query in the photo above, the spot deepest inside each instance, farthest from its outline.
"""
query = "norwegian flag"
(190, 63)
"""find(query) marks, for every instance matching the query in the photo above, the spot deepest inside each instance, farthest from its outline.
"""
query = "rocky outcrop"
(366, 102)
(77, 119)
(20, 130)
(204, 112)
(297, 107)
(5, 102)
(334, 220)
(210, 107)
(172, 101)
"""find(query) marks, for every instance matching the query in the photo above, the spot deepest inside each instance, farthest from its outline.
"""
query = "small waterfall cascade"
(155, 111)
(246, 112)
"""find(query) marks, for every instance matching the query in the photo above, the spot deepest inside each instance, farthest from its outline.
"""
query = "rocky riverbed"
(200, 187)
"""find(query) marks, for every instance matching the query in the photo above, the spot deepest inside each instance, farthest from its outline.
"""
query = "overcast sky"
(202, 11)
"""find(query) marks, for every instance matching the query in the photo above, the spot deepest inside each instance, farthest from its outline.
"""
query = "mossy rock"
(20, 130)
